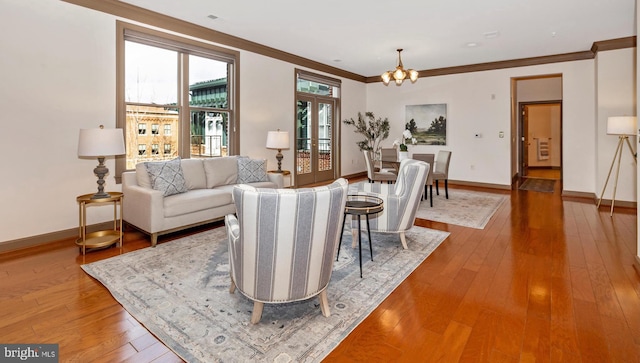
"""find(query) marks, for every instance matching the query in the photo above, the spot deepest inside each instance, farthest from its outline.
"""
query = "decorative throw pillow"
(251, 170)
(166, 176)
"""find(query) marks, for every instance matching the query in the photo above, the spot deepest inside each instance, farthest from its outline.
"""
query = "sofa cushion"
(166, 176)
(221, 171)
(252, 170)
(195, 200)
(194, 175)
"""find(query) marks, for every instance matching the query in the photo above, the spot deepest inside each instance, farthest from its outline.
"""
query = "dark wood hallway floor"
(547, 280)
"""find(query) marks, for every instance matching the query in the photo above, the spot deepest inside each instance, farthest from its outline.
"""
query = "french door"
(315, 139)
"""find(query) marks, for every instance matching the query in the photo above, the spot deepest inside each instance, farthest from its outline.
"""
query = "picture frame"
(428, 123)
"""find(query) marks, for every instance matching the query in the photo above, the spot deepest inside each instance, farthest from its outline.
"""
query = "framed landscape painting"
(428, 123)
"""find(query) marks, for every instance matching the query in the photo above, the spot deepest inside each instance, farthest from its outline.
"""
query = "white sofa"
(208, 184)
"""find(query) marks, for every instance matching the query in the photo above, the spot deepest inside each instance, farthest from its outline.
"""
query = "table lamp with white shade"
(278, 140)
(623, 126)
(100, 143)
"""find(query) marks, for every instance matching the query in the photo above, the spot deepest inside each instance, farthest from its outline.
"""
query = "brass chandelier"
(399, 74)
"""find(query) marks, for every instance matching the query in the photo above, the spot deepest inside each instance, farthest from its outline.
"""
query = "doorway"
(317, 129)
(315, 139)
(541, 140)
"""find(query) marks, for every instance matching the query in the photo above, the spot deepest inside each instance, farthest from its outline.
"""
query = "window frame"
(183, 45)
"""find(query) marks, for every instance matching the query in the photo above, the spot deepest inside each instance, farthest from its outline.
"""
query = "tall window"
(184, 85)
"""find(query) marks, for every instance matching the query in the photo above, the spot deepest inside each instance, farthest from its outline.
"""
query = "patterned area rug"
(180, 292)
(463, 208)
(538, 185)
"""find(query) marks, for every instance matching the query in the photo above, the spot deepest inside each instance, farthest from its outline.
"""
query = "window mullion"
(184, 111)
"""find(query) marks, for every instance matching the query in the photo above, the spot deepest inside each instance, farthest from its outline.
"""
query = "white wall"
(480, 103)
(268, 102)
(637, 100)
(615, 97)
(60, 77)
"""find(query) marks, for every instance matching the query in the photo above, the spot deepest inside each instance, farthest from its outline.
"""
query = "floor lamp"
(623, 126)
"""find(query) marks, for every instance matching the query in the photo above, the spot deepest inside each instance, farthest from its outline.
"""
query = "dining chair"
(388, 158)
(373, 175)
(429, 159)
(441, 170)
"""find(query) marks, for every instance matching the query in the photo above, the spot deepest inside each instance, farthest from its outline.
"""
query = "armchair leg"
(154, 239)
(403, 239)
(324, 303)
(256, 315)
(354, 237)
(437, 189)
(232, 288)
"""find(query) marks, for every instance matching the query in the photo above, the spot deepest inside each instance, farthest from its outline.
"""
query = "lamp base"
(101, 170)
(279, 158)
(101, 195)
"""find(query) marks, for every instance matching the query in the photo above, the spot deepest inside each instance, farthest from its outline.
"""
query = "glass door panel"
(325, 120)
(304, 162)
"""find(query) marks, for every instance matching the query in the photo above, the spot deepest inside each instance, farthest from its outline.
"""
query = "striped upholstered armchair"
(401, 200)
(283, 242)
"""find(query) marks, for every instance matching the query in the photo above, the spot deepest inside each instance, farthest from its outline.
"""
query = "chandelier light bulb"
(386, 77)
(413, 75)
(399, 74)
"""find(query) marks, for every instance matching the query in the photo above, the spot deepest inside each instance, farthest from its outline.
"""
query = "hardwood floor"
(547, 280)
(543, 173)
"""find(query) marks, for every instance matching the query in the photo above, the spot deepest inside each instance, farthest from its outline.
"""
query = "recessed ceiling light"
(472, 44)
(337, 60)
(491, 34)
(212, 17)
(553, 34)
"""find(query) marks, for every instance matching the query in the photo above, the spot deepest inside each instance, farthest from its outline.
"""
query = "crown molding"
(144, 16)
(567, 57)
(613, 44)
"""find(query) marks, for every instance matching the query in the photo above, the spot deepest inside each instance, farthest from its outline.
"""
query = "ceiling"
(361, 36)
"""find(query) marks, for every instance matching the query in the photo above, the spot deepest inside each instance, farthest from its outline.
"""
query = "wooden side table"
(99, 238)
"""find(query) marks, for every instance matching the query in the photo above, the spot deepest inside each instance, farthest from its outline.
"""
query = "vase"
(403, 155)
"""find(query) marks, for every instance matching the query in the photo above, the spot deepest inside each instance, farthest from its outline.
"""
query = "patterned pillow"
(251, 170)
(166, 176)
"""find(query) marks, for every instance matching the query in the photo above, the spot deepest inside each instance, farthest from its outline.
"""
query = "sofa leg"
(232, 288)
(256, 315)
(324, 303)
(154, 239)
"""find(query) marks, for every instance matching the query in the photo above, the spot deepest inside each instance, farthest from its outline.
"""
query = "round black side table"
(361, 205)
